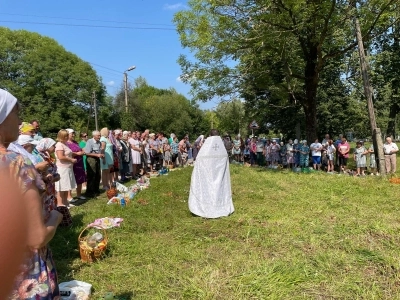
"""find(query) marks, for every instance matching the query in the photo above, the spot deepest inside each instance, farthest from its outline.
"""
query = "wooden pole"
(126, 91)
(95, 110)
(376, 132)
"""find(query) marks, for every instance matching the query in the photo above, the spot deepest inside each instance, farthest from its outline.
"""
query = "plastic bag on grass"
(121, 188)
(75, 290)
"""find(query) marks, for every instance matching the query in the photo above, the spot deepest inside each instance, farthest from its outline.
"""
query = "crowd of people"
(48, 173)
(328, 155)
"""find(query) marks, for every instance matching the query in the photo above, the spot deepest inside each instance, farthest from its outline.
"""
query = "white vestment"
(210, 188)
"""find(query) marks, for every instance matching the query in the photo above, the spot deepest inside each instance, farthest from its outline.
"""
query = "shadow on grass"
(65, 248)
(124, 296)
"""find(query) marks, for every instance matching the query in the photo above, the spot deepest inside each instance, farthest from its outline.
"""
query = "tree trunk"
(310, 101)
(393, 111)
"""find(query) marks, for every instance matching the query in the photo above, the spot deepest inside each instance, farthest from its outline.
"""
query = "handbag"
(66, 219)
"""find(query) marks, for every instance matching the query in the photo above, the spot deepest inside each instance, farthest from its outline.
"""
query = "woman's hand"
(74, 160)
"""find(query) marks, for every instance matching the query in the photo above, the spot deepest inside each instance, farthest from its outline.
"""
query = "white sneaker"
(72, 200)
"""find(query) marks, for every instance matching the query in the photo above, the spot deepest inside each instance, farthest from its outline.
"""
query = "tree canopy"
(275, 51)
(53, 85)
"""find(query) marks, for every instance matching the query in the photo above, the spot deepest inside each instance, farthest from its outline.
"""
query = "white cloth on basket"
(210, 188)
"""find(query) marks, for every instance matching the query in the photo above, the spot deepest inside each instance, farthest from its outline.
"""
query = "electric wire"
(85, 25)
(90, 20)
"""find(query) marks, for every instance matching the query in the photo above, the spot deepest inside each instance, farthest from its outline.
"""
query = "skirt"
(67, 180)
(136, 157)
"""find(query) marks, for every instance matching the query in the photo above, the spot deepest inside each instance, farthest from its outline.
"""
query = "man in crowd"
(93, 172)
(390, 149)
(38, 136)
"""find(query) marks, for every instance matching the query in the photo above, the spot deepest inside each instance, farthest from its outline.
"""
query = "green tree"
(53, 85)
(232, 40)
(158, 110)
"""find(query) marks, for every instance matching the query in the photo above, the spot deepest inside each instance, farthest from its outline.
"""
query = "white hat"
(7, 103)
(70, 130)
(24, 139)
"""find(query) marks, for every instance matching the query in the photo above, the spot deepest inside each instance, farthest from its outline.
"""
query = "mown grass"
(292, 236)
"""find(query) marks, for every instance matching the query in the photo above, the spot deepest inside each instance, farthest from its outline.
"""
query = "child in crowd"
(330, 152)
(360, 158)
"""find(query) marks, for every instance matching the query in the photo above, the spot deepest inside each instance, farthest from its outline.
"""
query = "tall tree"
(53, 85)
(231, 40)
(159, 110)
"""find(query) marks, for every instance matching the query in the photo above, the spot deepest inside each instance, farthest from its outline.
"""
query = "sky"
(98, 37)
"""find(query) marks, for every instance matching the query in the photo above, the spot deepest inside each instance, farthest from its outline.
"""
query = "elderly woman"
(78, 168)
(126, 158)
(136, 152)
(64, 163)
(107, 160)
(37, 278)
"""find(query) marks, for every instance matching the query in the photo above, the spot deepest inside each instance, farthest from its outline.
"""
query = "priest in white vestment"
(210, 188)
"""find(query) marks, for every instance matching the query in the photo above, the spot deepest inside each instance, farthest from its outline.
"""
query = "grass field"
(292, 236)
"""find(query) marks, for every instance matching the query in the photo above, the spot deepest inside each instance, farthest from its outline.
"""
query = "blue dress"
(109, 155)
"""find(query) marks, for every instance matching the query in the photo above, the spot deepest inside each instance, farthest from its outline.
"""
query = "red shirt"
(343, 147)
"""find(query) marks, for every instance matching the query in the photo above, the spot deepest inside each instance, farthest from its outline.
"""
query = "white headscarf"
(7, 103)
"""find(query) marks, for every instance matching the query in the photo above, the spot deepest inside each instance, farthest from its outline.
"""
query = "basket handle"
(93, 226)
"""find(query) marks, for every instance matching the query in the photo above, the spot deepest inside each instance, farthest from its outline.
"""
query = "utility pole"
(376, 132)
(95, 109)
(126, 91)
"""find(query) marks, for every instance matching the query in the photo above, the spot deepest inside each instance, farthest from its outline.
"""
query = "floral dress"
(282, 153)
(37, 279)
(372, 161)
(361, 159)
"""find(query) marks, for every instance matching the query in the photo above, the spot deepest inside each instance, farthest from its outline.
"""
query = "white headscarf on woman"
(7, 103)
(200, 140)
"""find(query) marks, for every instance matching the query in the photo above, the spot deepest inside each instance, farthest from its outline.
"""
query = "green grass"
(292, 236)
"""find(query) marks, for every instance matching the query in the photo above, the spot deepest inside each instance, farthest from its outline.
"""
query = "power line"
(90, 20)
(119, 72)
(85, 25)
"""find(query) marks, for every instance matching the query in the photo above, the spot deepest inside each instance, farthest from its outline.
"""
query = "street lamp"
(126, 86)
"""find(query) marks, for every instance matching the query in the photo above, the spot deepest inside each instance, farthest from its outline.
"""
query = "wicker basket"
(89, 254)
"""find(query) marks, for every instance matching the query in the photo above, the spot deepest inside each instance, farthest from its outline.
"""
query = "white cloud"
(175, 6)
(110, 83)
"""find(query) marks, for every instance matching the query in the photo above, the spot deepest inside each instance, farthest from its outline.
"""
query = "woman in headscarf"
(37, 278)
(236, 150)
(45, 148)
(197, 145)
(117, 149)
